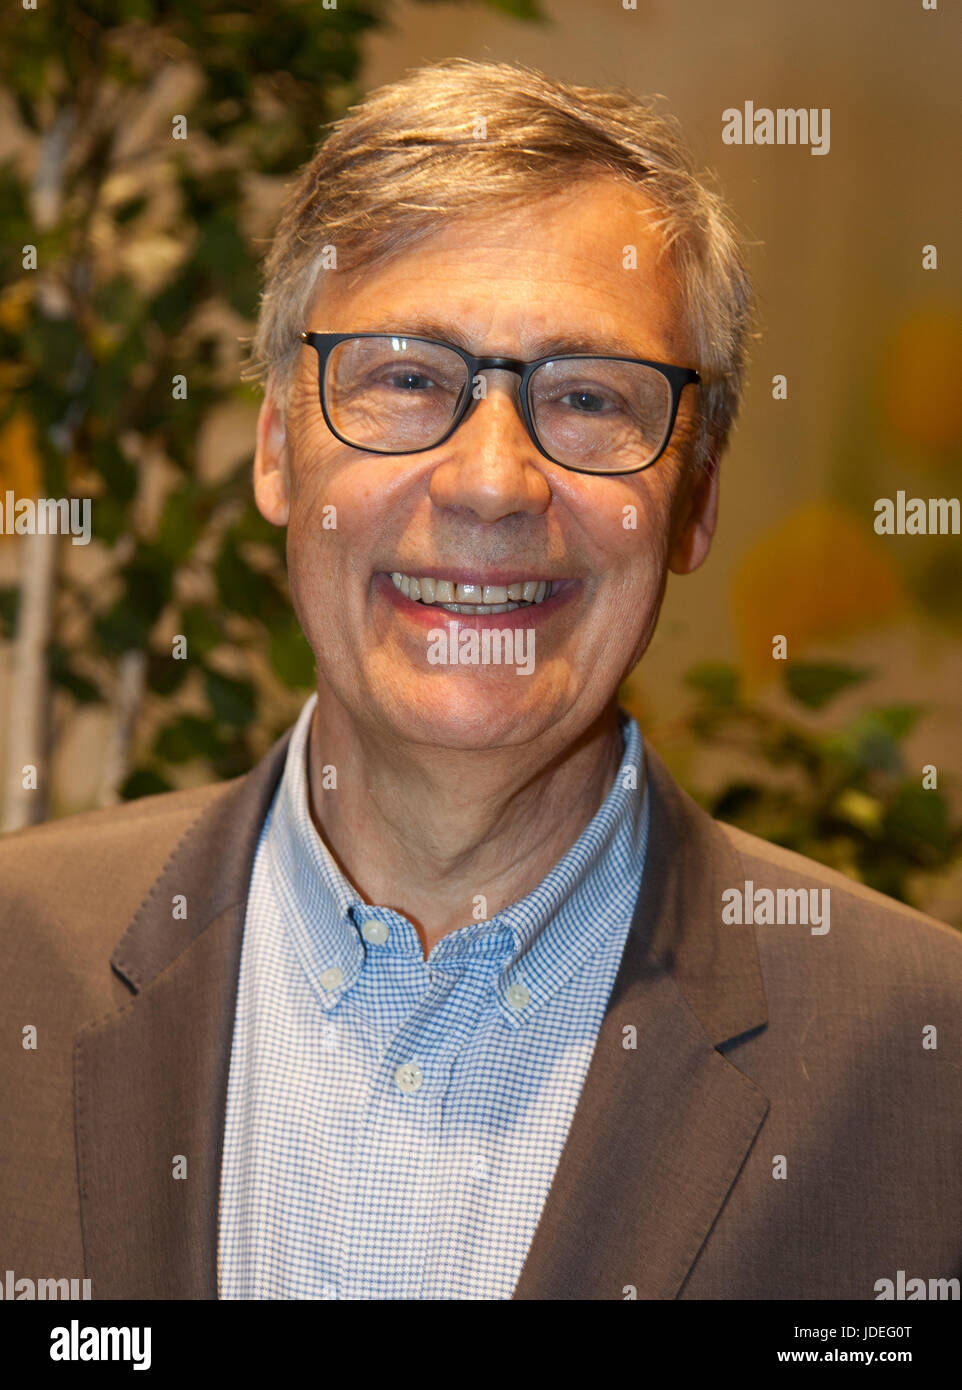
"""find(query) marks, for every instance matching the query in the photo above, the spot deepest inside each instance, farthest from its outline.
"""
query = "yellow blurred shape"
(817, 574)
(860, 809)
(15, 306)
(632, 697)
(921, 404)
(20, 464)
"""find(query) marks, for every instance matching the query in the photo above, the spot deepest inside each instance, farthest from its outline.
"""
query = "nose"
(490, 465)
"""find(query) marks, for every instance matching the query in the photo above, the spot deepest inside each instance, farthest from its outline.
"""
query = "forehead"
(585, 266)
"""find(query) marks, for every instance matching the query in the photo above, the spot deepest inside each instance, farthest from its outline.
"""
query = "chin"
(471, 712)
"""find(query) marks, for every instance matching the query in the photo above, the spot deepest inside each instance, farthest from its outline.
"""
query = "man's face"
(486, 507)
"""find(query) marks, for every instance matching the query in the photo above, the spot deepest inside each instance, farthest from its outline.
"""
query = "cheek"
(328, 508)
(634, 538)
(634, 545)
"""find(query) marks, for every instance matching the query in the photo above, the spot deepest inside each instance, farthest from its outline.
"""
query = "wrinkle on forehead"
(525, 274)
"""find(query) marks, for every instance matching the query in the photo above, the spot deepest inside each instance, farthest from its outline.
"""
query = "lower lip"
(429, 615)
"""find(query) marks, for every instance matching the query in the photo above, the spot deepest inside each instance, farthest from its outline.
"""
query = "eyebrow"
(558, 343)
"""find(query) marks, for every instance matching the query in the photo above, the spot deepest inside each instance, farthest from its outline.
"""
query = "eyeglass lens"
(401, 394)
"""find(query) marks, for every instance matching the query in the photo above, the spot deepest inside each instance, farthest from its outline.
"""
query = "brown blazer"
(750, 1042)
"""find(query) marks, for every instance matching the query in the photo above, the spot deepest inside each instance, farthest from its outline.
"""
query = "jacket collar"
(661, 1130)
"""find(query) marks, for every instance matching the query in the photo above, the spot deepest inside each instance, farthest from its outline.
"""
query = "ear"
(698, 512)
(272, 491)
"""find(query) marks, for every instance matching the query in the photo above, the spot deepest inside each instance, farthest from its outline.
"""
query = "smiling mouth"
(478, 598)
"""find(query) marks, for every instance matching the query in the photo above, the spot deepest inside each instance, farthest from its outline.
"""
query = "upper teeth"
(472, 598)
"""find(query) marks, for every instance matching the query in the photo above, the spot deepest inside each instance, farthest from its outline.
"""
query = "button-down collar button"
(376, 932)
(518, 996)
(409, 1076)
(332, 978)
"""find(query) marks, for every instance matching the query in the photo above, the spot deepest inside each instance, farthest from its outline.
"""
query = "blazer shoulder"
(127, 825)
(863, 920)
(96, 864)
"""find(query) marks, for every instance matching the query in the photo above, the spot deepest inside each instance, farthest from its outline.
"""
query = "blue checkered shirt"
(393, 1123)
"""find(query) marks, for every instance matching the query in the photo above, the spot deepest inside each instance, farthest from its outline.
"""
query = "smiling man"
(481, 779)
(455, 1004)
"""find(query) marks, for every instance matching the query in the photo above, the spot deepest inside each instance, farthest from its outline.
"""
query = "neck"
(406, 836)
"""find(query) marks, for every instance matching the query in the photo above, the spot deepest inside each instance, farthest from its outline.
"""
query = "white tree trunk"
(131, 679)
(28, 718)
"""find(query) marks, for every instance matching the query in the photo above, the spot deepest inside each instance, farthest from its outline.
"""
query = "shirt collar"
(588, 894)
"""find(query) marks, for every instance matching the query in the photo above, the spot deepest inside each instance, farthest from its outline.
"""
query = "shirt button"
(409, 1077)
(330, 979)
(376, 932)
(517, 996)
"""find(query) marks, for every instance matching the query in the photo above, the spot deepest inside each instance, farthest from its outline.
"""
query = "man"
(448, 997)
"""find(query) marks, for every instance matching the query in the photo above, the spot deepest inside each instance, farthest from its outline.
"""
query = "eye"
(586, 402)
(410, 380)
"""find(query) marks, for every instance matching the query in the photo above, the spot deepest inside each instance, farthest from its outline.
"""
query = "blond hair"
(405, 160)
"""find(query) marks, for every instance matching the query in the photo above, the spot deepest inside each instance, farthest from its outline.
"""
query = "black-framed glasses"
(391, 393)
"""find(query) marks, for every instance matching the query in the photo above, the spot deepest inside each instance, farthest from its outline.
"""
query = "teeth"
(472, 598)
(480, 607)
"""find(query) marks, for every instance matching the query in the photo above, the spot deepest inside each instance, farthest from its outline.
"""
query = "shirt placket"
(399, 1140)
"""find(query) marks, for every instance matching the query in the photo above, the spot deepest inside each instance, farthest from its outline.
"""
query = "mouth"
(474, 597)
(497, 598)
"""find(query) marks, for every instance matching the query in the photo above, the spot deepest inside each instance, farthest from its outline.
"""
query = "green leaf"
(233, 701)
(220, 248)
(716, 680)
(202, 630)
(108, 519)
(871, 740)
(815, 683)
(121, 628)
(187, 737)
(736, 800)
(917, 822)
(896, 720)
(9, 603)
(165, 673)
(63, 674)
(239, 587)
(179, 525)
(125, 212)
(291, 656)
(119, 301)
(144, 781)
(115, 468)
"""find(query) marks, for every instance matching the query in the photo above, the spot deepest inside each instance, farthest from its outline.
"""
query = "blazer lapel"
(151, 1080)
(664, 1122)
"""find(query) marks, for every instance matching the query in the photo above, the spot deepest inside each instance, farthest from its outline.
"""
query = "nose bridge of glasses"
(486, 366)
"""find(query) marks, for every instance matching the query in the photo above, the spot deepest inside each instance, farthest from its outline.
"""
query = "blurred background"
(122, 340)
